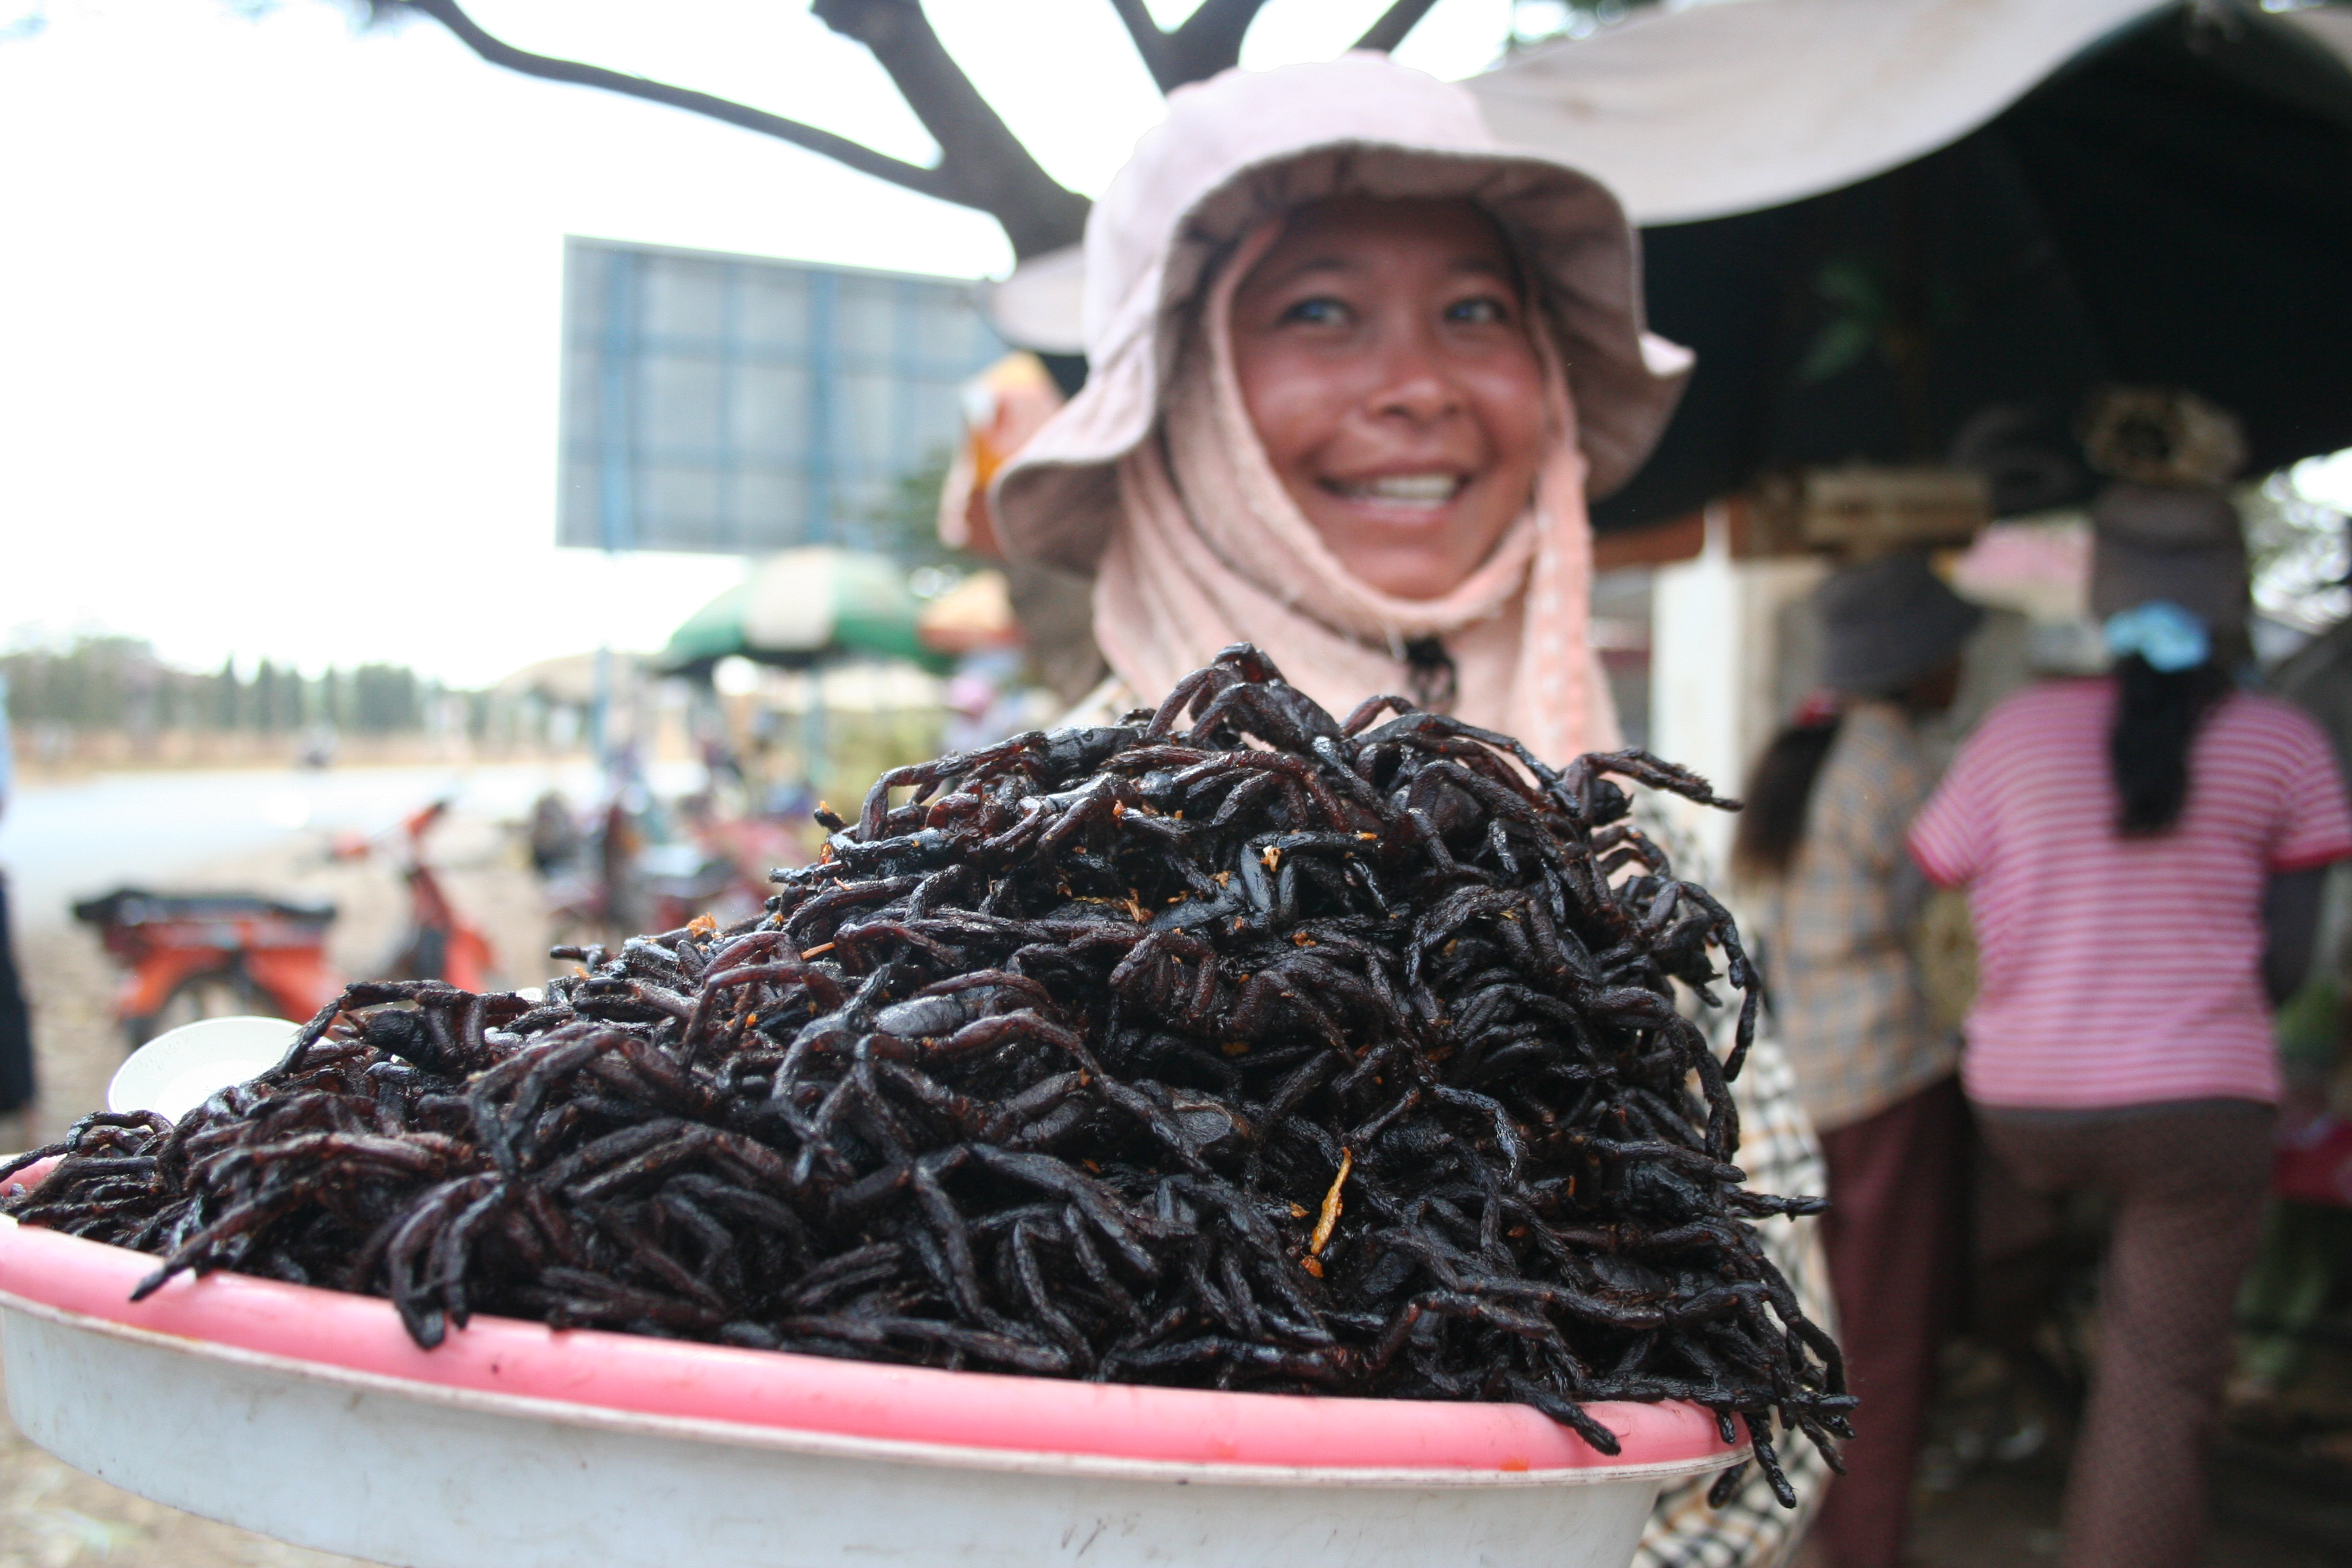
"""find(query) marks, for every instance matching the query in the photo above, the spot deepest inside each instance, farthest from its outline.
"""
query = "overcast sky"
(279, 299)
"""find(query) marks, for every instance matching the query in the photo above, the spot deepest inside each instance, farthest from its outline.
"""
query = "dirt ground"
(52, 1516)
(2008, 1517)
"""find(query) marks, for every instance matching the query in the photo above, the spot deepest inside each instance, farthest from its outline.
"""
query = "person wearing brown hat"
(1821, 849)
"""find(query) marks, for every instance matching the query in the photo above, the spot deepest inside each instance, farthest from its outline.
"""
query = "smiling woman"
(1355, 369)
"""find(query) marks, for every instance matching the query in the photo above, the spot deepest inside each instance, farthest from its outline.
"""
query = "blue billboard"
(740, 405)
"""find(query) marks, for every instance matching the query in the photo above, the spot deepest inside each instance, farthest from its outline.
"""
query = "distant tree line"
(118, 683)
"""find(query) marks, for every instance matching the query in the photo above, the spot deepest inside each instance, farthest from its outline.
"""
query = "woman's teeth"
(1408, 489)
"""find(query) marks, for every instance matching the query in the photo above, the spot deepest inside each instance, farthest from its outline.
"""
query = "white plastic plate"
(177, 1071)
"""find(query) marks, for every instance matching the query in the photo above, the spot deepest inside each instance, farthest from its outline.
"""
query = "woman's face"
(1383, 352)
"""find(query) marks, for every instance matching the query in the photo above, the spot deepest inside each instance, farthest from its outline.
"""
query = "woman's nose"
(1414, 384)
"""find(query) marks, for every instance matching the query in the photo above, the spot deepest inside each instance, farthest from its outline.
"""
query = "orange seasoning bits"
(1330, 1215)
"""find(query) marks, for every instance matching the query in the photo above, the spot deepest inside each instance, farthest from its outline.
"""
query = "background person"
(17, 1084)
(1355, 370)
(1819, 852)
(2142, 853)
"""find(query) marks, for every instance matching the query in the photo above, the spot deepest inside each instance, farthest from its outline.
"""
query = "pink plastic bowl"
(309, 1415)
(843, 1398)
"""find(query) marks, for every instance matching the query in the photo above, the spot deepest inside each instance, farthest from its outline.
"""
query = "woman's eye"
(1320, 313)
(1484, 310)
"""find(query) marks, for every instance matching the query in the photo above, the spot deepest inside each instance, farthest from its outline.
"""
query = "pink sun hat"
(1245, 146)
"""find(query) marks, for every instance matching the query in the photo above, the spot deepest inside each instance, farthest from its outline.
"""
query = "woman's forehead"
(1345, 233)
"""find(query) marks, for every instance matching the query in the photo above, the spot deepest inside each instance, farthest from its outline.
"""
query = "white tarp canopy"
(1714, 109)
(2330, 26)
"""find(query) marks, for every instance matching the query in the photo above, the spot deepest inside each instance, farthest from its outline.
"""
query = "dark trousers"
(1895, 1237)
(15, 1023)
(2184, 1187)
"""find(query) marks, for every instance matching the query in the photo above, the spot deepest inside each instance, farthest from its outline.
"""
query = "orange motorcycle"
(210, 955)
(439, 943)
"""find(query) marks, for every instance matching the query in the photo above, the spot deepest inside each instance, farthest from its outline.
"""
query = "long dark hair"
(1779, 790)
(2157, 716)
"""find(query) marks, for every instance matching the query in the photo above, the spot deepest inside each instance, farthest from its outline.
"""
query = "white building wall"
(1720, 674)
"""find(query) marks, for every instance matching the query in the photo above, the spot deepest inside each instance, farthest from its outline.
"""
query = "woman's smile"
(1408, 492)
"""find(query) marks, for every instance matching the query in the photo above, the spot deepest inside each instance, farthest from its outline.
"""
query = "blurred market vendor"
(1820, 847)
(1355, 370)
(2142, 853)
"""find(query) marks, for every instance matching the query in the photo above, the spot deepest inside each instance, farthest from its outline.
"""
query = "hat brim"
(1057, 501)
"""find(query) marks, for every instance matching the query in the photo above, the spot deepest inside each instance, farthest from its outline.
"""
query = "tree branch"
(931, 182)
(1149, 41)
(982, 163)
(1209, 40)
(1204, 43)
(1397, 21)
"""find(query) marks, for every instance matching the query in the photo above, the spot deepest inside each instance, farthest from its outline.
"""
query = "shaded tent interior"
(2173, 207)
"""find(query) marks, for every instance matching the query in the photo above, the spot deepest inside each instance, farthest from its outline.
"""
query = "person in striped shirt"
(2142, 854)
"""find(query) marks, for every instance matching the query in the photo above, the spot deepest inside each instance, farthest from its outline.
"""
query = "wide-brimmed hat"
(1245, 146)
(2179, 542)
(1886, 623)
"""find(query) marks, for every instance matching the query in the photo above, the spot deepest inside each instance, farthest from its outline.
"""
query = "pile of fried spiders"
(1234, 1046)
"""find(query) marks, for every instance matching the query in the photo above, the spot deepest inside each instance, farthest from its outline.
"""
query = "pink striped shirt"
(2125, 970)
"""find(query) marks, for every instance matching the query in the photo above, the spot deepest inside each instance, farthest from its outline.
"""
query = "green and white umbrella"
(802, 607)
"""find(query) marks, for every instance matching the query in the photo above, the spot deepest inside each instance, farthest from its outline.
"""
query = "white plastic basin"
(308, 1414)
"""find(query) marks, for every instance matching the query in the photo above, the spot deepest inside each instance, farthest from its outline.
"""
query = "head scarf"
(1210, 549)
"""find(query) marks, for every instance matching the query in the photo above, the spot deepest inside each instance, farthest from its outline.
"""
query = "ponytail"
(2157, 716)
(1779, 793)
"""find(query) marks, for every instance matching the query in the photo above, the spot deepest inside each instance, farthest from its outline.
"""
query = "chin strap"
(1430, 670)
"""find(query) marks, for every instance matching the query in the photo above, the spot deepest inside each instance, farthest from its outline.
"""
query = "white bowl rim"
(171, 1058)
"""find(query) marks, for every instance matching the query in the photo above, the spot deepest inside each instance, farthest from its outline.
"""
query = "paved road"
(63, 842)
